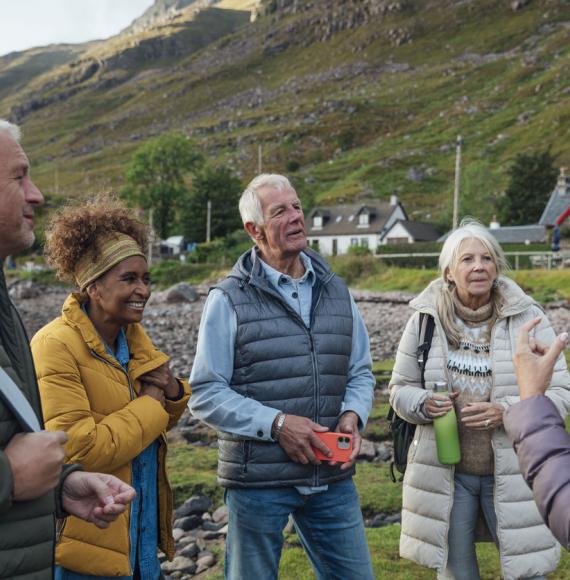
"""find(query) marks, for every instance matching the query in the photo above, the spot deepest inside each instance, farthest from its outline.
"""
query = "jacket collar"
(516, 301)
(144, 355)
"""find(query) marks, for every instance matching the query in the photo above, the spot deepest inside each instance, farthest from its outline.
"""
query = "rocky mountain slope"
(353, 98)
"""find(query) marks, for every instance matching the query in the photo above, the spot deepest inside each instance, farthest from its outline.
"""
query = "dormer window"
(318, 222)
(363, 220)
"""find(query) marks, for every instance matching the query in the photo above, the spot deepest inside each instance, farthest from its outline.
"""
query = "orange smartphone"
(339, 443)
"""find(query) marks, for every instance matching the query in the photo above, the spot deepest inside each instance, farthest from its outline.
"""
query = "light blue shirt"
(219, 406)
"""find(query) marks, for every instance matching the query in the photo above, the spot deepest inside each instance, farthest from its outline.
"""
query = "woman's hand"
(153, 392)
(482, 416)
(438, 405)
(162, 378)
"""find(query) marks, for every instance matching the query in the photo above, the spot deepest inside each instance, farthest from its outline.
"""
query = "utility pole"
(151, 235)
(457, 182)
(208, 220)
(259, 159)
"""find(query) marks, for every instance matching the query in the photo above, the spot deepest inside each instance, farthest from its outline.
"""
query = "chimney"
(494, 225)
(393, 199)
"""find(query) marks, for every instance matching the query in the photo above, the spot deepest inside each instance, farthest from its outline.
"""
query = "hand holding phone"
(339, 443)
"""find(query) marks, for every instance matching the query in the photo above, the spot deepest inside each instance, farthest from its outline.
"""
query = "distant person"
(104, 383)
(477, 311)
(282, 355)
(34, 484)
(538, 432)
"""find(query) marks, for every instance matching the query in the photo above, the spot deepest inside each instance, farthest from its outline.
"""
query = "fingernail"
(563, 337)
(109, 499)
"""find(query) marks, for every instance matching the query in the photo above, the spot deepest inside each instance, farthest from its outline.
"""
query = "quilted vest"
(281, 363)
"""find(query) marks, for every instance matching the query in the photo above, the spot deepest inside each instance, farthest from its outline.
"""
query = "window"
(364, 242)
(363, 220)
(354, 241)
(315, 245)
(318, 222)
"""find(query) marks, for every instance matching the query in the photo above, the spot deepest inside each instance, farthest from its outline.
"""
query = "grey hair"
(469, 229)
(250, 205)
(12, 130)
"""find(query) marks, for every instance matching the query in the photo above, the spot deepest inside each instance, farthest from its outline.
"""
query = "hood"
(516, 301)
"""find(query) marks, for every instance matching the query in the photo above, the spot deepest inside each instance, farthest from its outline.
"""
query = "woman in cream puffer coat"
(527, 548)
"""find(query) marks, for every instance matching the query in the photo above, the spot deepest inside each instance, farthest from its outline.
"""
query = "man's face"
(284, 228)
(18, 198)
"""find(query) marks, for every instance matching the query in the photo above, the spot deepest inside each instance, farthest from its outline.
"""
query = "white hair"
(12, 130)
(469, 229)
(250, 204)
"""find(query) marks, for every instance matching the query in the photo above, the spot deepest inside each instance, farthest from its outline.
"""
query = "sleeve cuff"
(67, 470)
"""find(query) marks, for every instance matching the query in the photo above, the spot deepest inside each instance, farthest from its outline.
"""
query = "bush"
(352, 268)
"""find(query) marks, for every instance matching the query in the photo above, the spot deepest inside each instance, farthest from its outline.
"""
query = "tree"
(220, 186)
(532, 179)
(156, 177)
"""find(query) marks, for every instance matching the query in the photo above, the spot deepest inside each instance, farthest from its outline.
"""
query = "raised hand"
(35, 460)
(534, 362)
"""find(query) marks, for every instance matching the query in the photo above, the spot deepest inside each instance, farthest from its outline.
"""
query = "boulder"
(181, 293)
(197, 504)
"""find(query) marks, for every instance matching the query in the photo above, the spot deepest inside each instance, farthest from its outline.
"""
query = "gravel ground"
(174, 327)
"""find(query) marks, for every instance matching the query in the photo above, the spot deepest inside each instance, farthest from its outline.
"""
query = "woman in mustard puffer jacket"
(104, 383)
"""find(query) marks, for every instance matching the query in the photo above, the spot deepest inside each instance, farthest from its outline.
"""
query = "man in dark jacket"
(34, 485)
(538, 432)
(282, 356)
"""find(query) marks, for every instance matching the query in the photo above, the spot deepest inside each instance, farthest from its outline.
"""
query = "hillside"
(352, 98)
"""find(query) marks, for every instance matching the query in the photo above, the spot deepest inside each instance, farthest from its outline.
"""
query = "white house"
(332, 230)
(406, 232)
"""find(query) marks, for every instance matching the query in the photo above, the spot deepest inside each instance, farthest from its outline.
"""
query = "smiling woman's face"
(474, 273)
(122, 292)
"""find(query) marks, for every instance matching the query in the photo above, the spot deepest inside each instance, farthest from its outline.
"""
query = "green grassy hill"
(351, 98)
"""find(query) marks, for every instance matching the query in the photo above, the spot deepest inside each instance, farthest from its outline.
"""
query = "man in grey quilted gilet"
(283, 355)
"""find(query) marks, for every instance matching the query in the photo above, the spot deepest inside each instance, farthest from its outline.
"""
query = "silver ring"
(437, 403)
(487, 423)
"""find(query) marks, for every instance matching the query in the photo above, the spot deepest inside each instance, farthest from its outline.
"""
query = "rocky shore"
(172, 317)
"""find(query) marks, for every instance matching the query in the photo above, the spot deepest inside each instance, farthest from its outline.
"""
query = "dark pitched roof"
(558, 203)
(420, 231)
(343, 219)
(535, 234)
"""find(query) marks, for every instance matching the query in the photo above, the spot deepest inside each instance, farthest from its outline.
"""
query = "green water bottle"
(446, 433)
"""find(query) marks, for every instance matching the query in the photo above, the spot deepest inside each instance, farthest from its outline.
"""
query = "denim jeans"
(471, 493)
(329, 525)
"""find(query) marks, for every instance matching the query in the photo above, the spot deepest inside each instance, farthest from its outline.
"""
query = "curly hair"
(75, 229)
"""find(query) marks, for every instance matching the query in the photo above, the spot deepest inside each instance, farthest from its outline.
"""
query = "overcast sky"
(28, 23)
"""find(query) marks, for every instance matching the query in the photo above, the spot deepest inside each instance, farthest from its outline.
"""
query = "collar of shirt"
(122, 355)
(277, 278)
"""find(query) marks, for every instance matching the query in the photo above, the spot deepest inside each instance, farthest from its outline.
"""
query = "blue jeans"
(329, 525)
(471, 493)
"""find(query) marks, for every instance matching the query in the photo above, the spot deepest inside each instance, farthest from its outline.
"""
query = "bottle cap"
(440, 387)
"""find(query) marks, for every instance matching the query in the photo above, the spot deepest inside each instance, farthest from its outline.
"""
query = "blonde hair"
(469, 229)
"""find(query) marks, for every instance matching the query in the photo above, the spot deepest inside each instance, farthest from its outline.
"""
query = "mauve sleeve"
(543, 449)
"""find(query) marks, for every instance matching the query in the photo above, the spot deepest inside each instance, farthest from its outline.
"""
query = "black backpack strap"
(427, 326)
